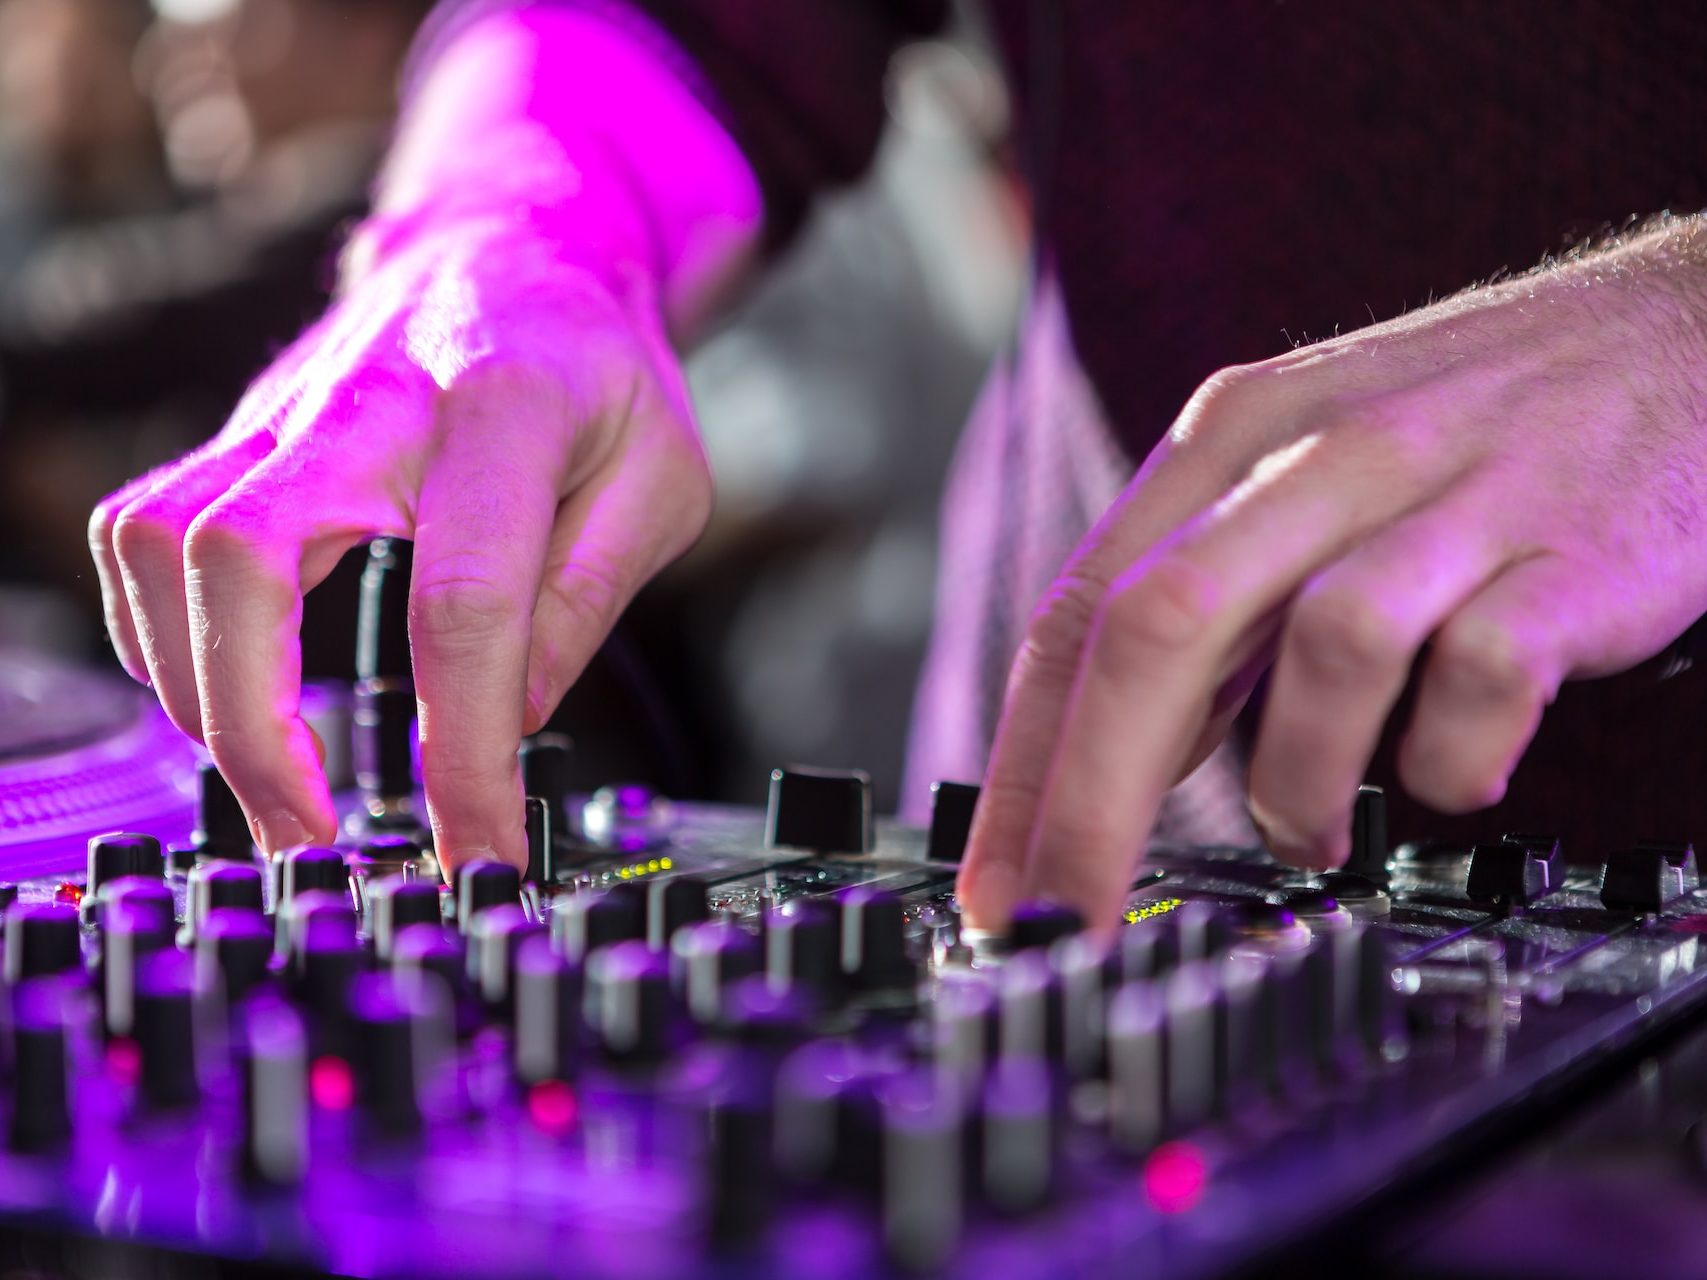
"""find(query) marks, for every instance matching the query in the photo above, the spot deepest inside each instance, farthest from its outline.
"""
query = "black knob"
(1369, 848)
(1147, 949)
(483, 883)
(546, 765)
(705, 959)
(1189, 997)
(1242, 1032)
(1083, 968)
(322, 869)
(42, 938)
(142, 893)
(1514, 872)
(1040, 924)
(584, 922)
(824, 810)
(827, 1117)
(629, 1003)
(874, 940)
(924, 1137)
(1137, 1065)
(222, 831)
(758, 1017)
(803, 952)
(393, 1049)
(382, 615)
(964, 1022)
(41, 1111)
(233, 950)
(394, 904)
(437, 956)
(122, 854)
(130, 933)
(952, 807)
(1648, 876)
(739, 1172)
(180, 857)
(497, 935)
(323, 962)
(165, 1032)
(1029, 998)
(539, 828)
(673, 903)
(1308, 900)
(331, 910)
(1018, 1132)
(273, 1071)
(549, 995)
(219, 886)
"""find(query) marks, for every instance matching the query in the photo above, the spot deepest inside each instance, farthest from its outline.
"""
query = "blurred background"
(175, 180)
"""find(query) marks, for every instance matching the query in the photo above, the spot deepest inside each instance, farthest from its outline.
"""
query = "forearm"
(559, 123)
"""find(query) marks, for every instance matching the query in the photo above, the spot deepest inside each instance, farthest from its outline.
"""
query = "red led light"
(552, 1106)
(1175, 1176)
(331, 1084)
(68, 892)
(124, 1059)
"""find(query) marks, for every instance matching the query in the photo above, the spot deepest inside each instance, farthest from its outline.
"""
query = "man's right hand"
(517, 413)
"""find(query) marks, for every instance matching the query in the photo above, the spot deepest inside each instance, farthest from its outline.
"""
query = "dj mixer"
(700, 1041)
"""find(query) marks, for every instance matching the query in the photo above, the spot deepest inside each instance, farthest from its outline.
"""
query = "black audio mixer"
(698, 1041)
(703, 1041)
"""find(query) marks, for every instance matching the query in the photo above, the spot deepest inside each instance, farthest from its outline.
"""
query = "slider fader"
(702, 1041)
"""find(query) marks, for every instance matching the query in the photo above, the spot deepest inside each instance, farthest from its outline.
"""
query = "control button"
(130, 932)
(292, 922)
(483, 883)
(629, 817)
(823, 810)
(1030, 1003)
(964, 1027)
(537, 820)
(874, 940)
(219, 886)
(1082, 968)
(1017, 1125)
(629, 1003)
(233, 951)
(383, 729)
(1189, 998)
(1369, 849)
(1039, 924)
(396, 1038)
(394, 903)
(546, 764)
(738, 1172)
(549, 995)
(319, 869)
(382, 616)
(324, 960)
(584, 922)
(705, 959)
(1645, 878)
(434, 949)
(826, 1117)
(273, 1071)
(1241, 1032)
(122, 854)
(497, 935)
(41, 1112)
(1514, 872)
(42, 939)
(803, 952)
(771, 1022)
(952, 806)
(165, 1032)
(924, 1135)
(671, 904)
(221, 829)
(1313, 901)
(1147, 949)
(180, 857)
(1363, 899)
(143, 893)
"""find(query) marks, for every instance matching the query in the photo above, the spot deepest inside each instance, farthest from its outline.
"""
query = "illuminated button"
(629, 817)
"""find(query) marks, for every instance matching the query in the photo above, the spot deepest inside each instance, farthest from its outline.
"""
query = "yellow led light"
(1160, 907)
(665, 863)
(653, 865)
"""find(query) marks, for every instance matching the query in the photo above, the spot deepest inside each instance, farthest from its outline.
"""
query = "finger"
(1348, 646)
(1164, 638)
(487, 506)
(148, 545)
(1180, 478)
(1494, 667)
(248, 559)
(115, 607)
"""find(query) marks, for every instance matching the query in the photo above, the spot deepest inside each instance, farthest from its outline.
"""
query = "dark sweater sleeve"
(799, 83)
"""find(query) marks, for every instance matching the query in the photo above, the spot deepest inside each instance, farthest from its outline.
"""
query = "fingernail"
(278, 831)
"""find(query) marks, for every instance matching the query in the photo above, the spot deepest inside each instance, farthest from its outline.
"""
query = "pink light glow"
(331, 1084)
(552, 1106)
(1175, 1176)
(124, 1059)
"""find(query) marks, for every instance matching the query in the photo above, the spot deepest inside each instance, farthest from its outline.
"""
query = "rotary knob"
(705, 959)
(165, 1032)
(874, 940)
(672, 904)
(549, 994)
(233, 952)
(629, 1003)
(394, 904)
(273, 1072)
(484, 883)
(42, 939)
(122, 854)
(498, 933)
(223, 886)
(803, 952)
(585, 922)
(41, 1112)
(222, 830)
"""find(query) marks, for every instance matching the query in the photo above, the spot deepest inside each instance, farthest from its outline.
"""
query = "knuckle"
(500, 377)
(217, 540)
(143, 532)
(1227, 389)
(1344, 637)
(1161, 613)
(461, 609)
(1482, 658)
(591, 595)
